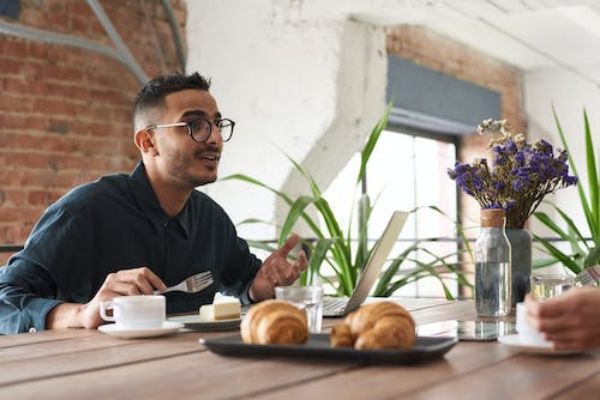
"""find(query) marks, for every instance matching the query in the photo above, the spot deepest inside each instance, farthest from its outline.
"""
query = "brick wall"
(65, 114)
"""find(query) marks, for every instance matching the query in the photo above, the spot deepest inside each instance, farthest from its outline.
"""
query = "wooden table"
(87, 364)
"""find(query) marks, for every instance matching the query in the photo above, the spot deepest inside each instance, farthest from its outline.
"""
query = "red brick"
(13, 197)
(9, 66)
(43, 197)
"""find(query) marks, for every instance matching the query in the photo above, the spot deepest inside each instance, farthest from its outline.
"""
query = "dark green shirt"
(117, 223)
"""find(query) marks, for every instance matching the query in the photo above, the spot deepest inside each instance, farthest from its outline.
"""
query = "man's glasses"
(200, 129)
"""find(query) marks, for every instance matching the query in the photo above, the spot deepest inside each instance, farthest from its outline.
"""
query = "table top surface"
(88, 364)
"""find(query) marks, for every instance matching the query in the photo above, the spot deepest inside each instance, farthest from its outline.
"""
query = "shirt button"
(32, 330)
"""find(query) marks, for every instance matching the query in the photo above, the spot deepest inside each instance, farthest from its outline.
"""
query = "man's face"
(182, 159)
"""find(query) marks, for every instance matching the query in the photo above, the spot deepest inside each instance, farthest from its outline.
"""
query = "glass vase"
(493, 266)
(520, 244)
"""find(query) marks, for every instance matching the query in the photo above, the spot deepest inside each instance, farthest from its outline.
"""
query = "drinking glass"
(307, 298)
(547, 285)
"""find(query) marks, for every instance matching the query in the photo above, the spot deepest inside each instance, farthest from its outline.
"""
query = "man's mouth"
(210, 156)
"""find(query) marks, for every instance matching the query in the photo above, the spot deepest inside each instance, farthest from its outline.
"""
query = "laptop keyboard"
(334, 305)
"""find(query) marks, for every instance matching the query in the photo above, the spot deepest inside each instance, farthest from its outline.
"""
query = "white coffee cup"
(528, 334)
(135, 312)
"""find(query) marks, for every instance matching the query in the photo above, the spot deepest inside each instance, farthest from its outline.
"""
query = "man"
(133, 234)
(571, 321)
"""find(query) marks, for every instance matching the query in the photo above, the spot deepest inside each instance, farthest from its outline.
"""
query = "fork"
(588, 277)
(193, 284)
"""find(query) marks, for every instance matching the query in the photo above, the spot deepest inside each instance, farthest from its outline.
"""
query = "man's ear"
(144, 140)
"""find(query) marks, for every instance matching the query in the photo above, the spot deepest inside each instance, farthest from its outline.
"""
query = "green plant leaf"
(259, 244)
(364, 211)
(451, 267)
(543, 263)
(593, 258)
(365, 154)
(459, 229)
(245, 178)
(248, 221)
(593, 182)
(317, 257)
(432, 271)
(295, 212)
(571, 225)
(392, 270)
(567, 237)
(304, 172)
(582, 197)
(556, 253)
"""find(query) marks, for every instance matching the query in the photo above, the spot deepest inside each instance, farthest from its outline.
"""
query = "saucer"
(513, 341)
(167, 328)
(194, 322)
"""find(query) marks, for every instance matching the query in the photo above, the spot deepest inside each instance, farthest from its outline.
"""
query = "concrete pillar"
(308, 85)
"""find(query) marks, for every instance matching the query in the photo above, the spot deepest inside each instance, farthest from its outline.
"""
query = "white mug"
(528, 335)
(135, 312)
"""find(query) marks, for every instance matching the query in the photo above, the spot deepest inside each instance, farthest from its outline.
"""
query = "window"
(404, 172)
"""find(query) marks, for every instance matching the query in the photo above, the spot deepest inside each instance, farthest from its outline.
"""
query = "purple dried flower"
(521, 174)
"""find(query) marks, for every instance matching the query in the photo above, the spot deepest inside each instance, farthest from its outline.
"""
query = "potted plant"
(584, 253)
(344, 253)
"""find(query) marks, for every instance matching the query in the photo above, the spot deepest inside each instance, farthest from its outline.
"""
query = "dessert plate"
(513, 341)
(167, 328)
(194, 322)
(317, 347)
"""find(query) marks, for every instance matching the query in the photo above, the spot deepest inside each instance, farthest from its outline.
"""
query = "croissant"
(376, 326)
(274, 322)
(341, 336)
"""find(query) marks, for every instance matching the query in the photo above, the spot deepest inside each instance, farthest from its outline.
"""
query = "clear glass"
(492, 273)
(307, 298)
(546, 286)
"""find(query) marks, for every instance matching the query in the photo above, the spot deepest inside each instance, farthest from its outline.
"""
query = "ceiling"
(529, 34)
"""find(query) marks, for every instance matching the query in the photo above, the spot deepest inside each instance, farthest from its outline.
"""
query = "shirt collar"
(145, 196)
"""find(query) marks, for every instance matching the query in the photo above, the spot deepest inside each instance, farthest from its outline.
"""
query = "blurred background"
(306, 79)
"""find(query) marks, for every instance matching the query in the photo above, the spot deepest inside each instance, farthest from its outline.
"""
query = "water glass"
(307, 298)
(547, 286)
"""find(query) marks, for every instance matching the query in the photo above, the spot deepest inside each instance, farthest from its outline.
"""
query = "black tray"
(317, 347)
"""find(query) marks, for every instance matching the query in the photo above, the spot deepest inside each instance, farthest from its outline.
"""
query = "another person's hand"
(122, 283)
(570, 321)
(276, 270)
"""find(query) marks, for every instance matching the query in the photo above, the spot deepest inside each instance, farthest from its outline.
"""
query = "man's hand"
(570, 321)
(276, 270)
(122, 283)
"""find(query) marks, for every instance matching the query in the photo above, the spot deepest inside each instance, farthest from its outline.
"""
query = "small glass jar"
(492, 266)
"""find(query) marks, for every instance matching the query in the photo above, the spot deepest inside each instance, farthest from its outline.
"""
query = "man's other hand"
(276, 270)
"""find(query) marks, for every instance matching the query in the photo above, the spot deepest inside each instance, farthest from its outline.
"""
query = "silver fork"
(588, 277)
(193, 284)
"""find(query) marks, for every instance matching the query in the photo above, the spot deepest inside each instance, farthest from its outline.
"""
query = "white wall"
(570, 94)
(309, 86)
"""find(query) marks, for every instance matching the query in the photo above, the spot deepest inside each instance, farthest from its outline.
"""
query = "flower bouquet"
(520, 175)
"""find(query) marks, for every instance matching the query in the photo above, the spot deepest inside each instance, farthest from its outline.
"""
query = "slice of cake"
(223, 307)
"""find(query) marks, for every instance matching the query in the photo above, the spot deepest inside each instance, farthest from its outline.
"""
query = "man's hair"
(152, 96)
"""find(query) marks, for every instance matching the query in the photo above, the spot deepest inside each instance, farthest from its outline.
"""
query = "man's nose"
(215, 135)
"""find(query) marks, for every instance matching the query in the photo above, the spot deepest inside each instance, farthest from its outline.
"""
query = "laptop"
(340, 306)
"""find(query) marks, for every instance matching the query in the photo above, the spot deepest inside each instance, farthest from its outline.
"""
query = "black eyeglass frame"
(188, 127)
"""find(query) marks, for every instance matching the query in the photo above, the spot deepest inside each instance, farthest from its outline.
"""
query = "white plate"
(167, 328)
(194, 322)
(513, 341)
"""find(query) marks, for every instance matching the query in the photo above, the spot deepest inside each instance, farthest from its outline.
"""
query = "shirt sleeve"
(237, 276)
(37, 278)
